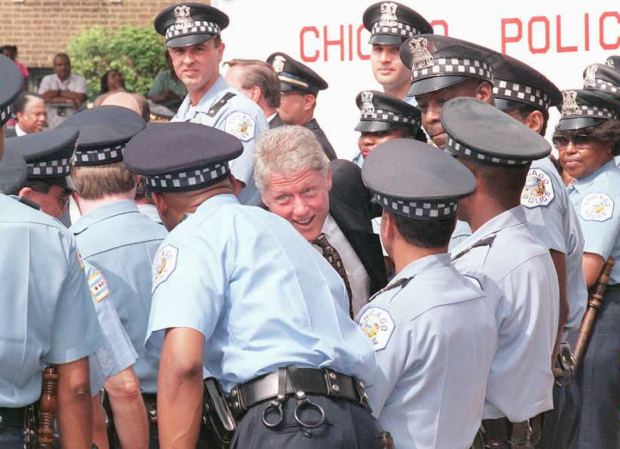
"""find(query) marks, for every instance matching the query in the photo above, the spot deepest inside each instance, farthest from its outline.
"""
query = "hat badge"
(610, 62)
(278, 63)
(589, 79)
(182, 18)
(388, 14)
(367, 107)
(422, 58)
(569, 103)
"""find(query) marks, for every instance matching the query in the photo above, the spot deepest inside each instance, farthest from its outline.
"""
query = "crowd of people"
(225, 280)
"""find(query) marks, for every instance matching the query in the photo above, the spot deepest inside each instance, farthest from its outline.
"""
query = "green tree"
(137, 52)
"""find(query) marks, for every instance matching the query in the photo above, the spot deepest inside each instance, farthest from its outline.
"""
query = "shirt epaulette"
(488, 241)
(220, 104)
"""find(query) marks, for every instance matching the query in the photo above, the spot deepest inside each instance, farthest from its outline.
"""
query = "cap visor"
(385, 39)
(427, 85)
(506, 105)
(370, 126)
(567, 124)
(188, 39)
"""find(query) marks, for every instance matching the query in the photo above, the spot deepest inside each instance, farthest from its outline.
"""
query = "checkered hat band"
(58, 167)
(458, 148)
(594, 112)
(183, 180)
(606, 86)
(388, 116)
(522, 93)
(455, 66)
(418, 209)
(5, 114)
(398, 29)
(200, 26)
(99, 156)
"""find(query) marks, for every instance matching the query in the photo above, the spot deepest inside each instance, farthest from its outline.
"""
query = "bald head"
(134, 102)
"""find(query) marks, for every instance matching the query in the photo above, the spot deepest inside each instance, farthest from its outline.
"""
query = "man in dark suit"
(299, 88)
(327, 204)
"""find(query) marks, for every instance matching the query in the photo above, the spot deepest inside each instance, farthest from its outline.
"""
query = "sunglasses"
(579, 140)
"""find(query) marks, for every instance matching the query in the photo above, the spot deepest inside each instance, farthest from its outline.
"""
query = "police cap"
(104, 131)
(199, 158)
(11, 83)
(482, 133)
(13, 171)
(434, 191)
(295, 76)
(585, 108)
(187, 24)
(390, 23)
(613, 62)
(603, 78)
(382, 112)
(437, 62)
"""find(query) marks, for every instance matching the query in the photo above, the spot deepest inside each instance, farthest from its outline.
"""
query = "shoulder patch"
(596, 207)
(98, 286)
(538, 190)
(378, 325)
(240, 125)
(164, 264)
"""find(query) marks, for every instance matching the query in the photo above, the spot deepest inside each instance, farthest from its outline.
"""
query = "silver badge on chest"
(589, 79)
(388, 14)
(278, 63)
(569, 103)
(422, 58)
(182, 18)
(367, 107)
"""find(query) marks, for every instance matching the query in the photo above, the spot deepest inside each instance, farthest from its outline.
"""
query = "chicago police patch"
(378, 325)
(596, 207)
(240, 125)
(538, 190)
(98, 286)
(164, 264)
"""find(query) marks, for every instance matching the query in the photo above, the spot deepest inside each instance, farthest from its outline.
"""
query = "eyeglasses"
(579, 140)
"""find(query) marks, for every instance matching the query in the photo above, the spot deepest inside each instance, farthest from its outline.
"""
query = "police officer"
(587, 137)
(52, 320)
(299, 89)
(504, 252)
(238, 291)
(192, 34)
(430, 387)
(382, 118)
(48, 157)
(115, 237)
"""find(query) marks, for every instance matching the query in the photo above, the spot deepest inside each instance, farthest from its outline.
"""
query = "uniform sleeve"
(600, 223)
(188, 289)
(76, 331)
(545, 203)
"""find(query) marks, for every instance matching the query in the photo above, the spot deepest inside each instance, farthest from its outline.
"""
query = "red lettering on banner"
(327, 43)
(440, 24)
(302, 44)
(514, 38)
(558, 36)
(363, 56)
(586, 31)
(601, 26)
(530, 30)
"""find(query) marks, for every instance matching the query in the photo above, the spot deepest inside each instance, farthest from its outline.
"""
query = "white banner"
(558, 38)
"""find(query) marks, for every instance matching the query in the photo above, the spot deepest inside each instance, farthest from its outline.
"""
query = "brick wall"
(41, 28)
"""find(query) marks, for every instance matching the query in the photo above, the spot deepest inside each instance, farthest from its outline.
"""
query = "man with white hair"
(294, 177)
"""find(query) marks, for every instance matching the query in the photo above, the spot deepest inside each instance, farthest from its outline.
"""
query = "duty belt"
(12, 417)
(500, 433)
(293, 381)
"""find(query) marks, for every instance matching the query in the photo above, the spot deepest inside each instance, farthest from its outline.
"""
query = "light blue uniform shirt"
(434, 340)
(553, 221)
(461, 232)
(116, 352)
(259, 293)
(240, 117)
(503, 254)
(121, 242)
(46, 313)
(596, 199)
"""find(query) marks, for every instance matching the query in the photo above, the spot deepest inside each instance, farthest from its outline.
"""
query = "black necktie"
(334, 259)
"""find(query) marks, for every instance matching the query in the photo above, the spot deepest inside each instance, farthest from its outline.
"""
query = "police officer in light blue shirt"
(504, 252)
(432, 328)
(588, 137)
(247, 298)
(48, 316)
(113, 236)
(192, 34)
